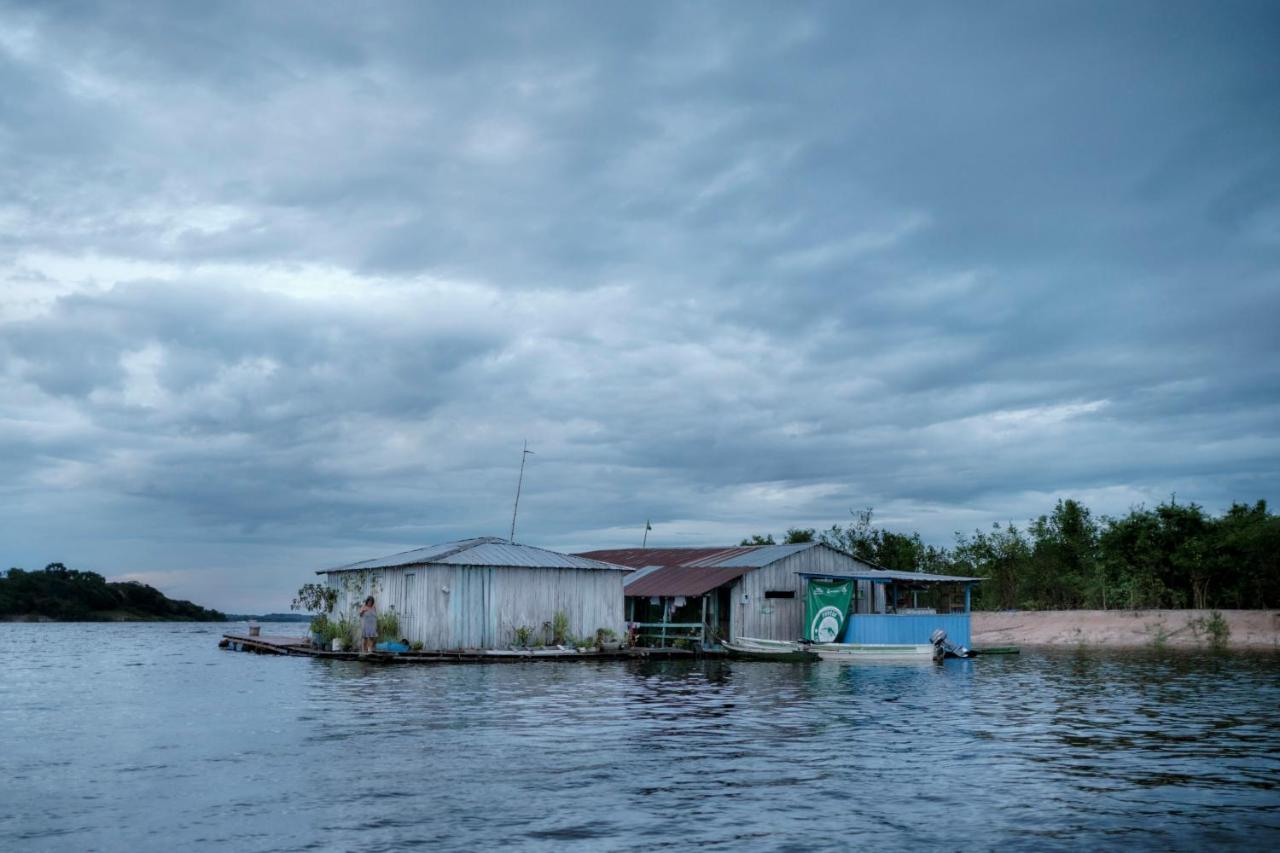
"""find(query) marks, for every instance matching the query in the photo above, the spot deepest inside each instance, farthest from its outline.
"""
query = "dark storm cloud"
(287, 284)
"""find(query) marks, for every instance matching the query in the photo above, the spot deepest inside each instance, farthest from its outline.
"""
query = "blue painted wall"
(888, 629)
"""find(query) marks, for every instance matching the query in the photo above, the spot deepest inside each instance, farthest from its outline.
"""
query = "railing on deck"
(665, 632)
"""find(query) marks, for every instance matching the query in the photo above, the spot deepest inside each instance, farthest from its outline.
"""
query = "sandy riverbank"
(1250, 629)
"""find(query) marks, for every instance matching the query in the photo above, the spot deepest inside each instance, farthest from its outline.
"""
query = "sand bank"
(1250, 629)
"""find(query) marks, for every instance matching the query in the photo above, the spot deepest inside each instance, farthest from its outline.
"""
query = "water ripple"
(145, 737)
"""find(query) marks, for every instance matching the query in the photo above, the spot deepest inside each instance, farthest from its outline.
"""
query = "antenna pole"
(520, 482)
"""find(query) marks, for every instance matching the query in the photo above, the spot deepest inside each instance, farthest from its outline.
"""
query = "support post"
(967, 588)
(702, 632)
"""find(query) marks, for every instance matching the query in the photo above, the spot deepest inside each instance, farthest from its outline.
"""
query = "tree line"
(69, 595)
(1175, 555)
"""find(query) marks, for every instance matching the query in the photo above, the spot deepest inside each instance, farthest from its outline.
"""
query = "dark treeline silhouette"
(1176, 555)
(68, 595)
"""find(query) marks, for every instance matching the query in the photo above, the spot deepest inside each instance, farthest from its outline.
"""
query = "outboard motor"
(939, 640)
(942, 648)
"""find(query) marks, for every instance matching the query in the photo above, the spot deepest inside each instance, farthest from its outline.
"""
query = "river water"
(148, 737)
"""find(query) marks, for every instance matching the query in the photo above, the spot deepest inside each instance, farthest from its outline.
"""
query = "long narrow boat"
(747, 648)
(853, 652)
(848, 652)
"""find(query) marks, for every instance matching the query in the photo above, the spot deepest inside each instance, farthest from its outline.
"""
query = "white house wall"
(451, 607)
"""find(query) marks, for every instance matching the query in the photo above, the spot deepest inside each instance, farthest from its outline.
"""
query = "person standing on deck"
(368, 626)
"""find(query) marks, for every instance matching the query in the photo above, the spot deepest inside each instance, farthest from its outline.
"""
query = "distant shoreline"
(269, 617)
(1183, 629)
(59, 594)
(105, 616)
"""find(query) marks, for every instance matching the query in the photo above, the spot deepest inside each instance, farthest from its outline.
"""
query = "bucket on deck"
(254, 630)
(337, 644)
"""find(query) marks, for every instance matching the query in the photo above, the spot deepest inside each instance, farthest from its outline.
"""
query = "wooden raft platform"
(300, 647)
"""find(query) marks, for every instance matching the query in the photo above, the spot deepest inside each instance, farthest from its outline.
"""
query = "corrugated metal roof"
(481, 551)
(890, 575)
(679, 580)
(499, 552)
(640, 557)
(756, 556)
(750, 556)
(639, 573)
(691, 571)
(744, 557)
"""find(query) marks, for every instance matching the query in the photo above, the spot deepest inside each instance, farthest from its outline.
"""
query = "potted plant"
(345, 635)
(319, 600)
(319, 630)
(607, 638)
(560, 628)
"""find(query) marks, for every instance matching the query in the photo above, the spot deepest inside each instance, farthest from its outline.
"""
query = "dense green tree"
(1003, 557)
(67, 594)
(793, 536)
(1248, 548)
(1164, 557)
(1066, 571)
(1174, 555)
(885, 548)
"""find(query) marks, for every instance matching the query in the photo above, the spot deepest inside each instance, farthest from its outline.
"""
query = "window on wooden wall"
(779, 593)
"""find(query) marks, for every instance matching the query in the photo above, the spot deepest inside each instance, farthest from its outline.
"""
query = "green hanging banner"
(826, 604)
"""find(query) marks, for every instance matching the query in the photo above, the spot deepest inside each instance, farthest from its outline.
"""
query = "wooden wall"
(783, 618)
(455, 607)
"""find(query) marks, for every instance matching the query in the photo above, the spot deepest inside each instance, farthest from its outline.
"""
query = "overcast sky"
(287, 285)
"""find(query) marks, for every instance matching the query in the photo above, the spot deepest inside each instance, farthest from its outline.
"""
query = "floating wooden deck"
(300, 647)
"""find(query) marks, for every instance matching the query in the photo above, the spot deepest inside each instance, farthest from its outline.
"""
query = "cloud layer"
(287, 285)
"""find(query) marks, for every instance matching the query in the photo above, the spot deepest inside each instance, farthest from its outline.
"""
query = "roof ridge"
(701, 547)
(739, 549)
(557, 553)
(465, 544)
(448, 552)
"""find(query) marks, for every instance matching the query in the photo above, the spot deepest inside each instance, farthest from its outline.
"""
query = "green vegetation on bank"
(1176, 555)
(67, 595)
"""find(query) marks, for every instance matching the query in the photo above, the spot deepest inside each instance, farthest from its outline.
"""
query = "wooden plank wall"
(783, 618)
(484, 605)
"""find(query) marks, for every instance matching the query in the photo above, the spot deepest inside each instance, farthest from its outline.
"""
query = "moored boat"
(749, 648)
(856, 652)
(757, 649)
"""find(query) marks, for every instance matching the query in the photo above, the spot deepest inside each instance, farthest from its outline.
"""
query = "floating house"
(706, 594)
(476, 593)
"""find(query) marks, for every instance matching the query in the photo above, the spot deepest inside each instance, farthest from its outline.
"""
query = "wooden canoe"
(746, 648)
(855, 652)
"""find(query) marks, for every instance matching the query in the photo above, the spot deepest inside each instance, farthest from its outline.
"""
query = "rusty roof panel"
(638, 558)
(755, 556)
(667, 581)
(887, 575)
